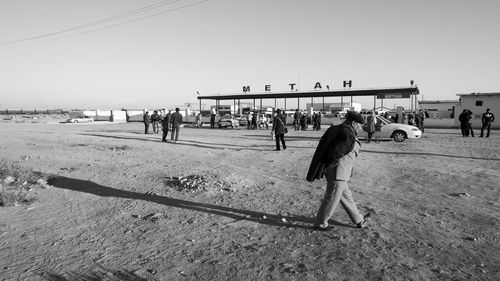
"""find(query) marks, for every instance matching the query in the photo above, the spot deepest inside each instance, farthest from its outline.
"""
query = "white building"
(478, 103)
(439, 109)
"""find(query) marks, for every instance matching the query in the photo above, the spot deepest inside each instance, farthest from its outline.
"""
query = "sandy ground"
(118, 209)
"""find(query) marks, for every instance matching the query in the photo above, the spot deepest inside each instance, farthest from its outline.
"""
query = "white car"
(228, 121)
(387, 130)
(80, 119)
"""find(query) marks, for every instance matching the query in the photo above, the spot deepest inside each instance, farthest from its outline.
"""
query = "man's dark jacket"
(146, 118)
(165, 122)
(176, 119)
(336, 142)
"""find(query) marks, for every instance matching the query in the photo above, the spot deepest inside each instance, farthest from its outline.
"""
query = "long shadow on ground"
(187, 142)
(236, 214)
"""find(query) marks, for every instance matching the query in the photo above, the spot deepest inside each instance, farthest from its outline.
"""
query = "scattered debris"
(153, 217)
(195, 183)
(68, 170)
(8, 180)
(43, 183)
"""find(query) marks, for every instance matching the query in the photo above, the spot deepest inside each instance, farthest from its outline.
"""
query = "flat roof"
(314, 94)
(437, 101)
(480, 94)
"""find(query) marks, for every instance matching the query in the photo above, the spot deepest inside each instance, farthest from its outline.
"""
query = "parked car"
(228, 121)
(384, 129)
(242, 121)
(80, 119)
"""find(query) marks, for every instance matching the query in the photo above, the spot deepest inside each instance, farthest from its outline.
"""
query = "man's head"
(278, 111)
(487, 110)
(354, 116)
(177, 109)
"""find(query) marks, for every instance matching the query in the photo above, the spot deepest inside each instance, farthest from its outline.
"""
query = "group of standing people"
(256, 121)
(301, 121)
(169, 122)
(417, 119)
(465, 119)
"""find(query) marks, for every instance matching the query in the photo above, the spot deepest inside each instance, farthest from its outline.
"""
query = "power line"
(18, 43)
(105, 20)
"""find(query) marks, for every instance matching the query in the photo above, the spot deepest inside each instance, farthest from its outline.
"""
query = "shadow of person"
(300, 222)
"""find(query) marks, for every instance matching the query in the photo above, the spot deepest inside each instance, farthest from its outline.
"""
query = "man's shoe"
(320, 228)
(362, 223)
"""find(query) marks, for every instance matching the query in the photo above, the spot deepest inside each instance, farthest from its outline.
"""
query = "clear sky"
(155, 54)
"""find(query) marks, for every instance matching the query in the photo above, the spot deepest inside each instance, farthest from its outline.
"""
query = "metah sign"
(393, 95)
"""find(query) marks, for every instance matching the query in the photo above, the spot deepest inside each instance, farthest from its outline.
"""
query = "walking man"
(279, 129)
(176, 125)
(334, 158)
(487, 119)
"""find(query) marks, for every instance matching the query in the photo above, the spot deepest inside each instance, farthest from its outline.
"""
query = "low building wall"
(439, 123)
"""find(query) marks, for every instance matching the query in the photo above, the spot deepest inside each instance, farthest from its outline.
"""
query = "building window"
(479, 103)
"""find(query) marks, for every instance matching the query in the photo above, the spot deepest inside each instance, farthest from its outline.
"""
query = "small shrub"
(11, 197)
(17, 172)
(15, 181)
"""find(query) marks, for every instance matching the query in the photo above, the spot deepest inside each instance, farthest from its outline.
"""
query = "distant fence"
(34, 111)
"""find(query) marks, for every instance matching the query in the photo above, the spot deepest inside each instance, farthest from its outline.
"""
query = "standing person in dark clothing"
(411, 118)
(314, 120)
(155, 119)
(296, 120)
(254, 121)
(334, 158)
(146, 119)
(165, 124)
(421, 116)
(417, 119)
(469, 122)
(464, 127)
(318, 122)
(176, 125)
(487, 118)
(303, 122)
(212, 120)
(279, 123)
(371, 121)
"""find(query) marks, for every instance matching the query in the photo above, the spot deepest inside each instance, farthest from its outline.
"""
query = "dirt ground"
(223, 205)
